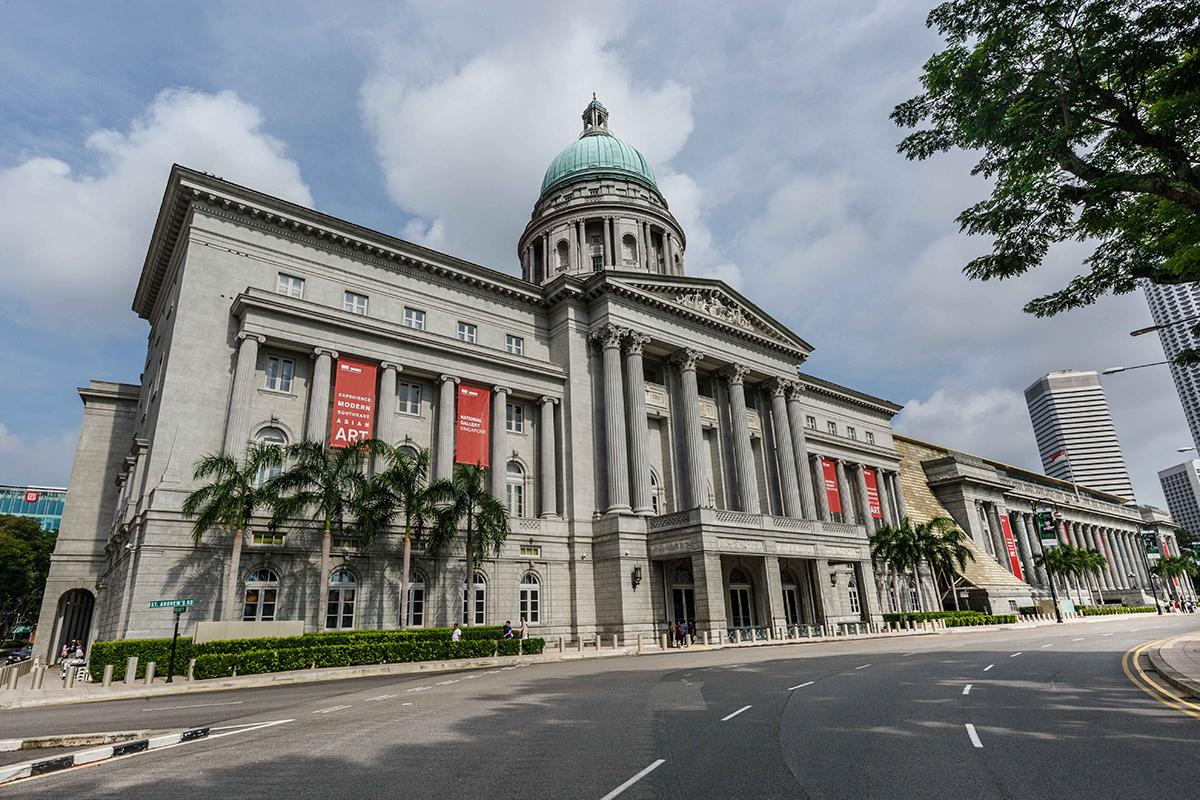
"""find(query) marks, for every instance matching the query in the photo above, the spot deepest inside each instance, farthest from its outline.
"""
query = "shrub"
(101, 654)
(1100, 611)
(953, 619)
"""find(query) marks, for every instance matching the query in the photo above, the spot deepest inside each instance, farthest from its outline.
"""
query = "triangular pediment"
(714, 302)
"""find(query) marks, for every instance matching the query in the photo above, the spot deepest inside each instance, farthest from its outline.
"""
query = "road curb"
(72, 740)
(1179, 681)
(45, 766)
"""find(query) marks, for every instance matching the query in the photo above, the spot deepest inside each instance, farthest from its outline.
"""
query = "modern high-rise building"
(1169, 304)
(42, 502)
(1181, 487)
(1075, 434)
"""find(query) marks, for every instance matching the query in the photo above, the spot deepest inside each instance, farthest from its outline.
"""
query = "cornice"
(818, 386)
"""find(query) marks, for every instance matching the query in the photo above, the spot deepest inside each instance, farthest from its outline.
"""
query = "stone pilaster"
(317, 427)
(241, 396)
(693, 434)
(785, 452)
(637, 427)
(795, 407)
(709, 593)
(499, 457)
(549, 473)
(743, 455)
(444, 462)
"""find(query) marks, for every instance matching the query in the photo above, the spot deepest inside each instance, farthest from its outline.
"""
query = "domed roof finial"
(595, 118)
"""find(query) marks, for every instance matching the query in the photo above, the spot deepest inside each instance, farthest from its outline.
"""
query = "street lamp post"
(1115, 370)
(1153, 591)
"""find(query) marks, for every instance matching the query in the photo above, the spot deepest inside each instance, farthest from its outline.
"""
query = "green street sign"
(172, 603)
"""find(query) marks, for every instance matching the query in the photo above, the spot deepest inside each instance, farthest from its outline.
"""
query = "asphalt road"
(1048, 713)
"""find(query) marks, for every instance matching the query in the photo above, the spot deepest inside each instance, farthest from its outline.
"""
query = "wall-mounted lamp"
(636, 575)
(833, 579)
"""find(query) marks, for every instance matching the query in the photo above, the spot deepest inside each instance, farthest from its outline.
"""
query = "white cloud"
(38, 460)
(72, 238)
(985, 423)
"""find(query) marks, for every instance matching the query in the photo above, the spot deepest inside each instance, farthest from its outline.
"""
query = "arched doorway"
(741, 606)
(791, 597)
(73, 620)
(683, 593)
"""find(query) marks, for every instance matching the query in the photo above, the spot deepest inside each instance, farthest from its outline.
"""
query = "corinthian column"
(499, 442)
(444, 464)
(860, 480)
(693, 434)
(237, 423)
(743, 455)
(785, 450)
(822, 495)
(386, 415)
(795, 409)
(317, 429)
(849, 514)
(549, 472)
(615, 440)
(639, 433)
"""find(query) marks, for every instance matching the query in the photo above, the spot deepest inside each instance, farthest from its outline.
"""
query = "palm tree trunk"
(231, 580)
(404, 567)
(468, 600)
(323, 578)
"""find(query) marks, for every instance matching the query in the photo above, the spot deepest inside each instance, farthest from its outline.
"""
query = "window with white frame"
(261, 596)
(655, 494)
(530, 599)
(355, 303)
(408, 397)
(852, 595)
(514, 344)
(416, 600)
(467, 332)
(289, 285)
(831, 426)
(275, 437)
(414, 318)
(870, 437)
(339, 602)
(810, 422)
(280, 372)
(914, 599)
(515, 488)
(851, 432)
(514, 418)
(474, 600)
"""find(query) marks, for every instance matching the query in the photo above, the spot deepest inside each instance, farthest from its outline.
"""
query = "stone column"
(775, 592)
(997, 536)
(1035, 545)
(637, 426)
(1112, 569)
(644, 228)
(317, 428)
(795, 409)
(610, 230)
(868, 599)
(444, 462)
(499, 442)
(885, 504)
(386, 415)
(693, 434)
(668, 246)
(549, 473)
(849, 513)
(615, 437)
(785, 449)
(1105, 575)
(820, 496)
(1135, 562)
(1025, 548)
(860, 480)
(1119, 566)
(743, 454)
(241, 396)
(898, 493)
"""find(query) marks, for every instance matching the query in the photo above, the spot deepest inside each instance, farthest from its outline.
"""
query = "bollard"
(70, 678)
(39, 677)
(149, 673)
(615, 645)
(131, 670)
(562, 645)
(13, 677)
(663, 643)
(106, 681)
(192, 670)
(580, 643)
(639, 644)
(597, 637)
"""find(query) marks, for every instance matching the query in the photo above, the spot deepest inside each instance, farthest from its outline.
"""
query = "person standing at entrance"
(683, 633)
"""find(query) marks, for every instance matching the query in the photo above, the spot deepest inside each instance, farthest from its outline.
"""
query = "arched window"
(741, 607)
(852, 592)
(655, 494)
(416, 600)
(262, 592)
(791, 597)
(893, 598)
(914, 598)
(339, 604)
(564, 256)
(270, 435)
(515, 486)
(530, 599)
(408, 450)
(737, 577)
(629, 250)
(474, 600)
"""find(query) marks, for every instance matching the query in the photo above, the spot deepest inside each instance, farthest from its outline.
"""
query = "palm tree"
(232, 491)
(1173, 567)
(1057, 561)
(898, 547)
(402, 489)
(323, 487)
(944, 547)
(464, 503)
(1092, 562)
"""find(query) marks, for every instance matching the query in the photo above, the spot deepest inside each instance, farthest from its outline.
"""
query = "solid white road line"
(989, 666)
(1080, 639)
(247, 728)
(653, 766)
(1047, 645)
(906, 655)
(864, 666)
(328, 710)
(1014, 655)
(1106, 634)
(378, 697)
(967, 688)
(194, 705)
(406, 704)
(974, 736)
(417, 689)
(734, 714)
(800, 686)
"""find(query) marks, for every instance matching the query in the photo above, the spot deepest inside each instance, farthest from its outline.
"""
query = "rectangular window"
(355, 303)
(516, 499)
(514, 344)
(414, 318)
(266, 538)
(853, 434)
(810, 422)
(290, 285)
(531, 551)
(870, 438)
(279, 374)
(831, 426)
(514, 418)
(467, 332)
(409, 398)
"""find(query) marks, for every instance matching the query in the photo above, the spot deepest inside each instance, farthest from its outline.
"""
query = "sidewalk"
(1177, 661)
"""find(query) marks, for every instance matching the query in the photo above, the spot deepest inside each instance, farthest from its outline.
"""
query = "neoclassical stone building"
(660, 453)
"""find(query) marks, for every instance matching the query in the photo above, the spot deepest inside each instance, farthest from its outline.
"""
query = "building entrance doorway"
(683, 595)
(741, 610)
(74, 619)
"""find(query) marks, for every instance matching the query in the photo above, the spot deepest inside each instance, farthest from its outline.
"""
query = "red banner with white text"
(832, 495)
(1010, 545)
(353, 403)
(872, 493)
(474, 410)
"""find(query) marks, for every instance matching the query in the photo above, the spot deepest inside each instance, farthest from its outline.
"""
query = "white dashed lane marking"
(329, 710)
(800, 686)
(728, 717)
(967, 689)
(1047, 645)
(864, 666)
(989, 666)
(1014, 655)
(378, 697)
(653, 766)
(974, 736)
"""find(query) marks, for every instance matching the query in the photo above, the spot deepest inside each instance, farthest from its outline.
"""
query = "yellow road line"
(1129, 664)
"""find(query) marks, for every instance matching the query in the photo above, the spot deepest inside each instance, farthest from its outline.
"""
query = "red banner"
(474, 408)
(1010, 544)
(872, 493)
(832, 495)
(1065, 535)
(353, 403)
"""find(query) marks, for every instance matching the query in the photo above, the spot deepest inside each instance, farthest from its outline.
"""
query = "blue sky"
(766, 125)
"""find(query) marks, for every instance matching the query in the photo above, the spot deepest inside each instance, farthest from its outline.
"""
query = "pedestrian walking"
(678, 635)
(508, 629)
(524, 628)
(692, 630)
(456, 634)
(683, 633)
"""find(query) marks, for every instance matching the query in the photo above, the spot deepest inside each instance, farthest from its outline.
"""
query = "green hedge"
(953, 619)
(1101, 611)
(251, 662)
(118, 652)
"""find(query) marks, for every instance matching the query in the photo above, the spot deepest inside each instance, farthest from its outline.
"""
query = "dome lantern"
(597, 153)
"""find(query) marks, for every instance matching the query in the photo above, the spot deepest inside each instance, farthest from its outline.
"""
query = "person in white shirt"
(524, 629)
(456, 634)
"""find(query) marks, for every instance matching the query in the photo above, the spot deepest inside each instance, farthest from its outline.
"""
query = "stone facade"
(662, 455)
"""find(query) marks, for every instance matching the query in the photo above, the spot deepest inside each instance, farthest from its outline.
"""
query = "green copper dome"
(597, 152)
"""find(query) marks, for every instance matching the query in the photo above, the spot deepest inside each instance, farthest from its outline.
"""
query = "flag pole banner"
(353, 403)
(832, 495)
(1010, 544)
(471, 438)
(872, 493)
